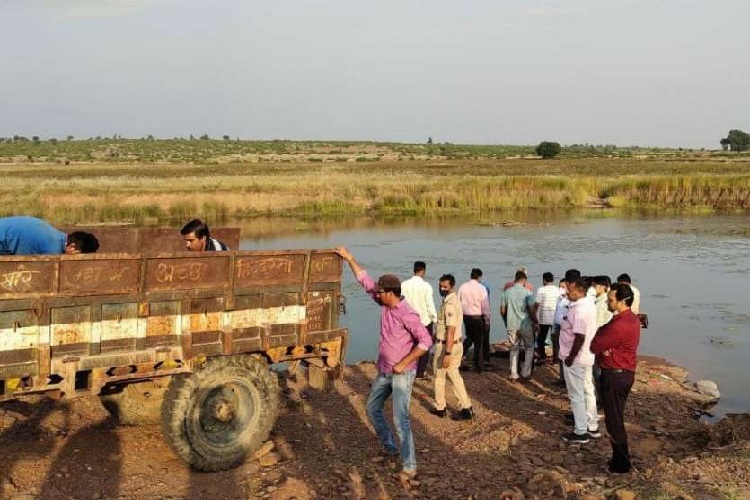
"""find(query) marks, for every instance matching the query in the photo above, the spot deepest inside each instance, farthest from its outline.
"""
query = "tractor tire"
(138, 403)
(217, 416)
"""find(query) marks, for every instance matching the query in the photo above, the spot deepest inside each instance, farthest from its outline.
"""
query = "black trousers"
(475, 334)
(614, 388)
(541, 340)
(424, 361)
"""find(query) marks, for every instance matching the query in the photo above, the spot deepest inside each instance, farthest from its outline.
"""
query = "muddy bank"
(324, 447)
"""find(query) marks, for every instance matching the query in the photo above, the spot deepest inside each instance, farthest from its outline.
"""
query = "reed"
(140, 192)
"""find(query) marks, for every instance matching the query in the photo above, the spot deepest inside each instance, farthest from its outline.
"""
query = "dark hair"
(624, 278)
(572, 275)
(196, 226)
(520, 275)
(580, 284)
(449, 278)
(396, 291)
(83, 242)
(623, 293)
(419, 266)
(602, 280)
(476, 273)
(548, 277)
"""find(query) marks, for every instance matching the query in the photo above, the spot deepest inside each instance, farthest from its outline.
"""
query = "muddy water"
(693, 273)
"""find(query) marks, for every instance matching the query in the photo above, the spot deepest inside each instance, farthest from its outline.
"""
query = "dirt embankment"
(326, 449)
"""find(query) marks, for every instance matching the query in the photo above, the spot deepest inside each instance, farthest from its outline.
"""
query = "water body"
(693, 274)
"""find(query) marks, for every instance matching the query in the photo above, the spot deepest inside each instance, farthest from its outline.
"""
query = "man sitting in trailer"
(197, 238)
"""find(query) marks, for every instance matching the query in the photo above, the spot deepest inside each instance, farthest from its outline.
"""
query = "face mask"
(443, 293)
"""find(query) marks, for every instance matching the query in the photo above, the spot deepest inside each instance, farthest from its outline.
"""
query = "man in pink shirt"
(475, 303)
(403, 339)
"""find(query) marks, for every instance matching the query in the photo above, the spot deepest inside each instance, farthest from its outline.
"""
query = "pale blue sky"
(627, 72)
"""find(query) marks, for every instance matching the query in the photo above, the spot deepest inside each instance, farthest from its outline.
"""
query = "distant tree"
(53, 141)
(429, 140)
(35, 138)
(547, 149)
(149, 137)
(225, 137)
(724, 144)
(192, 137)
(204, 137)
(70, 137)
(737, 140)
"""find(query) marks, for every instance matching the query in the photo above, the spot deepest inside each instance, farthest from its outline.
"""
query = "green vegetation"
(547, 149)
(736, 140)
(149, 180)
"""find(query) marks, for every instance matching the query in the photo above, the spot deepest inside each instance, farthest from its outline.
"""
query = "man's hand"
(399, 367)
(606, 353)
(569, 361)
(446, 360)
(344, 253)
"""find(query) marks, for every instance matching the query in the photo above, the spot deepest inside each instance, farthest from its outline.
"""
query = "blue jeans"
(400, 386)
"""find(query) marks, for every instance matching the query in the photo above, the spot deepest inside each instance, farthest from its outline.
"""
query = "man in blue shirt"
(22, 235)
(517, 308)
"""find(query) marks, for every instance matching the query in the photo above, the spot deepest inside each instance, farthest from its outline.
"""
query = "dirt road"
(326, 449)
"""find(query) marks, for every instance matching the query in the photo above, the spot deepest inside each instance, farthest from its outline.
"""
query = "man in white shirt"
(578, 328)
(546, 302)
(420, 296)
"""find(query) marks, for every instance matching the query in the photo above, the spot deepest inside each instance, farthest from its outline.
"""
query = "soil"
(323, 447)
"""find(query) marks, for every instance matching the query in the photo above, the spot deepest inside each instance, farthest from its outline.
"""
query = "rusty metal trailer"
(186, 338)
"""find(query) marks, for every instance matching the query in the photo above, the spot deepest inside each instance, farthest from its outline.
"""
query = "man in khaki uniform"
(449, 350)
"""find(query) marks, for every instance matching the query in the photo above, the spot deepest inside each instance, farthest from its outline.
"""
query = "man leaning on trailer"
(23, 235)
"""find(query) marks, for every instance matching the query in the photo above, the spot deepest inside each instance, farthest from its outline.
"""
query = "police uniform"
(451, 314)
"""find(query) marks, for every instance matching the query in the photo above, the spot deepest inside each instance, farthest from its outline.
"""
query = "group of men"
(590, 321)
(24, 235)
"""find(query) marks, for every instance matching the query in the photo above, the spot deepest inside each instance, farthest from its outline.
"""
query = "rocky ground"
(323, 447)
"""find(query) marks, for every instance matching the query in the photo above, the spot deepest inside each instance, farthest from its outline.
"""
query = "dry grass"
(96, 192)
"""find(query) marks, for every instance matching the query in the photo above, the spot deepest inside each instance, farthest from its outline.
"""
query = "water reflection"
(691, 271)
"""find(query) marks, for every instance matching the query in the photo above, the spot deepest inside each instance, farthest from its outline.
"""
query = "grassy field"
(152, 181)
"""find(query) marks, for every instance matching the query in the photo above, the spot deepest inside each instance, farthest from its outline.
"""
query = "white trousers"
(578, 379)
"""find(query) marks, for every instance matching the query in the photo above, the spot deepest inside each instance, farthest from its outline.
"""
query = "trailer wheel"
(138, 403)
(216, 416)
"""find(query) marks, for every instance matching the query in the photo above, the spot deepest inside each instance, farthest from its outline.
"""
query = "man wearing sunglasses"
(403, 339)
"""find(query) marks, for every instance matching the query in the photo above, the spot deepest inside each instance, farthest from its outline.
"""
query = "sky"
(673, 73)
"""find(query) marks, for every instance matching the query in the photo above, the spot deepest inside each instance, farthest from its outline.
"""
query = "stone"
(708, 388)
(624, 495)
(269, 459)
(267, 447)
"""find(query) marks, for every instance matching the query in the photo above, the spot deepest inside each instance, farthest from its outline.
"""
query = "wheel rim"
(222, 414)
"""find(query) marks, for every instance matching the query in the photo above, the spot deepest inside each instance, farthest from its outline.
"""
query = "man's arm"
(486, 311)
(577, 344)
(345, 254)
(605, 339)
(422, 338)
(450, 334)
(430, 302)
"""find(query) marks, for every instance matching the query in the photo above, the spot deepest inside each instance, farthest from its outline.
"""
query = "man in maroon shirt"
(615, 345)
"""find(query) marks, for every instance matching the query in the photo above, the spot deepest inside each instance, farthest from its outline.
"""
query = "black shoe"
(594, 434)
(574, 438)
(464, 414)
(623, 470)
(439, 413)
